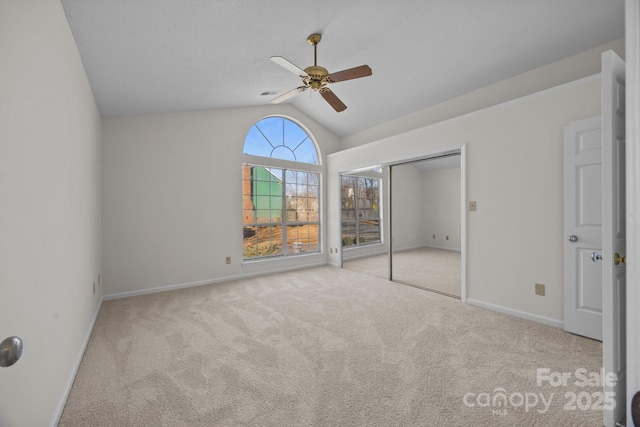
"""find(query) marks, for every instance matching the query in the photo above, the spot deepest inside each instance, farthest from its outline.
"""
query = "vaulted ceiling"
(150, 56)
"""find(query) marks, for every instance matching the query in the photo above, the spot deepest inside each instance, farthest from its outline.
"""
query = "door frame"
(632, 59)
(614, 234)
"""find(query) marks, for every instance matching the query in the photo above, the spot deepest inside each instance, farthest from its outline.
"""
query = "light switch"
(472, 206)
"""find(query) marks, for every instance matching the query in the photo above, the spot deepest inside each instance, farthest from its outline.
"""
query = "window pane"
(292, 177)
(266, 194)
(262, 241)
(302, 239)
(348, 197)
(280, 138)
(369, 232)
(348, 233)
(302, 200)
(303, 178)
(294, 135)
(272, 130)
(256, 144)
(248, 216)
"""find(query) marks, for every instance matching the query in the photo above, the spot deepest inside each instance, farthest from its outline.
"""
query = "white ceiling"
(150, 56)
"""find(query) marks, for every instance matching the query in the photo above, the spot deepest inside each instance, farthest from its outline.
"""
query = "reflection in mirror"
(426, 224)
(364, 246)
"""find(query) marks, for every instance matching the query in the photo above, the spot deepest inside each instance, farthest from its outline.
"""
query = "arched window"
(280, 190)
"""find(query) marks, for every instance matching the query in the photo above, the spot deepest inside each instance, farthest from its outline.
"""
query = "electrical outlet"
(228, 260)
(540, 289)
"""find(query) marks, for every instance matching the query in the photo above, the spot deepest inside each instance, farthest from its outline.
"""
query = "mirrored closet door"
(426, 217)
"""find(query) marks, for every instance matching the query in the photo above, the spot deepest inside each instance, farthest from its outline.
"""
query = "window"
(360, 210)
(281, 190)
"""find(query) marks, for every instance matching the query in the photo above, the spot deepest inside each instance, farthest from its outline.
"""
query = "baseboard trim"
(407, 248)
(206, 282)
(76, 367)
(444, 248)
(517, 313)
(360, 256)
(410, 248)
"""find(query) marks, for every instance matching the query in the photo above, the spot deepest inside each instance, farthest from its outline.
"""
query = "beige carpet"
(427, 268)
(321, 347)
(375, 265)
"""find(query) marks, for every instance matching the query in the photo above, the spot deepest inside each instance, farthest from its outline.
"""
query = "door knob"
(573, 238)
(10, 351)
(617, 259)
(596, 256)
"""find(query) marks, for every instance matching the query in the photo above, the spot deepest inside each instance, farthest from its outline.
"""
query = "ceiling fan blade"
(351, 73)
(287, 95)
(284, 63)
(333, 100)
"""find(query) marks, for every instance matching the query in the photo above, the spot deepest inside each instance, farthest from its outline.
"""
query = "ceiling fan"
(317, 78)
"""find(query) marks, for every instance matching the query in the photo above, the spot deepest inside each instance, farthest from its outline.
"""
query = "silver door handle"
(10, 351)
(596, 256)
(573, 238)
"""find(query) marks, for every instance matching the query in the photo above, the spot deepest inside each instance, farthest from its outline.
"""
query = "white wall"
(172, 198)
(514, 172)
(50, 214)
(442, 208)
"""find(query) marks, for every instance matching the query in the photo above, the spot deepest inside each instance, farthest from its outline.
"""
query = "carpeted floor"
(427, 268)
(323, 347)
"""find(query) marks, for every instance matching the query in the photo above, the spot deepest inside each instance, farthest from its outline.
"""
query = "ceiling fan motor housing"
(316, 77)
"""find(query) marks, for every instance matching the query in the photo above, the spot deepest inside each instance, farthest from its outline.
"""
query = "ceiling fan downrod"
(314, 39)
(316, 75)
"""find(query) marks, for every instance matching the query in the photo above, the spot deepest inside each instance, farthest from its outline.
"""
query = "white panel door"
(613, 232)
(583, 227)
